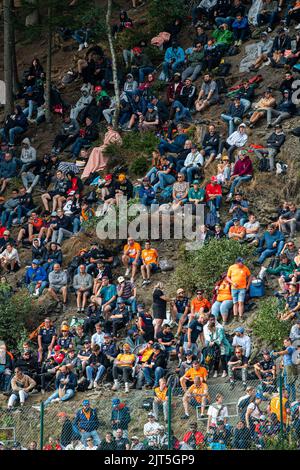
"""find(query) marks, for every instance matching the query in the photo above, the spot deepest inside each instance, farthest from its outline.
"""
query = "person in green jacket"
(285, 270)
(223, 36)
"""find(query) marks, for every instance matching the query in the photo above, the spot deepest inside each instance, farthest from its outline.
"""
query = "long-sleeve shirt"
(194, 159)
(8, 168)
(269, 239)
(84, 281)
(243, 341)
(237, 139)
(35, 275)
(276, 140)
(25, 382)
(58, 279)
(243, 167)
(174, 54)
(264, 47)
(28, 155)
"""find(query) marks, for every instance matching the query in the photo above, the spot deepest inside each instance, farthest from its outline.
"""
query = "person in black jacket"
(241, 437)
(53, 256)
(246, 93)
(201, 37)
(38, 250)
(87, 135)
(287, 83)
(284, 110)
(161, 108)
(96, 366)
(68, 134)
(210, 144)
(26, 204)
(123, 188)
(188, 94)
(155, 367)
(67, 434)
(235, 114)
(274, 143)
(63, 228)
(15, 123)
(281, 43)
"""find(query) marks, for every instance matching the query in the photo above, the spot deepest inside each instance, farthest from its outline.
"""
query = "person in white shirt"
(98, 337)
(75, 445)
(252, 228)
(237, 139)
(217, 412)
(193, 162)
(9, 258)
(151, 429)
(242, 340)
(90, 444)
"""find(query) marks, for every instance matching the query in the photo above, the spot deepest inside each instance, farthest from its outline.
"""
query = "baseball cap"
(239, 260)
(265, 351)
(242, 125)
(259, 395)
(86, 341)
(141, 305)
(57, 348)
(35, 261)
(194, 146)
(151, 415)
(115, 401)
(120, 300)
(213, 179)
(177, 74)
(121, 279)
(107, 335)
(196, 182)
(225, 157)
(135, 438)
(53, 214)
(65, 328)
(189, 352)
(108, 177)
(286, 91)
(6, 232)
(240, 329)
(85, 402)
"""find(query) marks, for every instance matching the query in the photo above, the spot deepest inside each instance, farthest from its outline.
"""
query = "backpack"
(281, 168)
(264, 164)
(222, 88)
(147, 404)
(166, 194)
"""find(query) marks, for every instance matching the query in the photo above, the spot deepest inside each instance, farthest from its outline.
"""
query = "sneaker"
(81, 380)
(90, 386)
(78, 310)
(127, 272)
(36, 407)
(269, 29)
(86, 45)
(297, 27)
(184, 417)
(82, 309)
(218, 213)
(224, 374)
(244, 385)
(115, 387)
(215, 374)
(55, 400)
(144, 283)
(229, 197)
(126, 388)
(239, 43)
(219, 156)
(231, 385)
(95, 385)
(81, 46)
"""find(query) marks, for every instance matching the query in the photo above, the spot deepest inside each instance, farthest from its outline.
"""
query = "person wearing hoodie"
(83, 102)
(86, 422)
(236, 140)
(274, 143)
(240, 28)
(235, 114)
(284, 110)
(36, 278)
(271, 243)
(130, 85)
(10, 209)
(38, 251)
(120, 417)
(174, 58)
(15, 123)
(28, 154)
(8, 170)
(192, 164)
(242, 172)
(182, 114)
(58, 282)
(53, 255)
(68, 134)
(223, 36)
(87, 135)
(264, 47)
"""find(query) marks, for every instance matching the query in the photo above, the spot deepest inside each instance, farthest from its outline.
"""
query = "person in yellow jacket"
(161, 399)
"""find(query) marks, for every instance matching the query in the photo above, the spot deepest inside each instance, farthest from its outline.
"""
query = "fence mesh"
(264, 416)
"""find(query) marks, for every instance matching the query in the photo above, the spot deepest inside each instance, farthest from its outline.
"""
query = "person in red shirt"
(193, 437)
(213, 195)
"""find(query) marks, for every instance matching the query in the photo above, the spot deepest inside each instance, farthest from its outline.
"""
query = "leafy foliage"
(266, 325)
(139, 167)
(168, 10)
(203, 267)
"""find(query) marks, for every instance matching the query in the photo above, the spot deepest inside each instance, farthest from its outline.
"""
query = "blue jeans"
(152, 174)
(68, 395)
(81, 36)
(32, 106)
(92, 434)
(238, 181)
(246, 104)
(174, 66)
(7, 218)
(78, 144)
(266, 253)
(228, 20)
(189, 172)
(76, 225)
(165, 146)
(144, 71)
(221, 308)
(5, 380)
(147, 201)
(165, 179)
(90, 372)
(231, 121)
(12, 134)
(32, 287)
(133, 304)
(148, 373)
(215, 204)
(230, 224)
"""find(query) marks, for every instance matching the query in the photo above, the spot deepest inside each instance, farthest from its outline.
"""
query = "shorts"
(194, 402)
(53, 193)
(57, 289)
(158, 314)
(154, 267)
(193, 348)
(131, 260)
(238, 295)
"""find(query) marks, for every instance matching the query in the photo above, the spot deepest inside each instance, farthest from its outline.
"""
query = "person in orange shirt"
(196, 395)
(161, 399)
(132, 257)
(223, 302)
(199, 304)
(239, 277)
(237, 231)
(196, 371)
(150, 262)
(274, 406)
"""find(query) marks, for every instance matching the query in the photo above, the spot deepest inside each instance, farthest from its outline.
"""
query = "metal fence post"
(170, 418)
(280, 404)
(42, 411)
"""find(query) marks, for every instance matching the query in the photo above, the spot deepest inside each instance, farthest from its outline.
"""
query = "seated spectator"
(82, 284)
(264, 47)
(180, 192)
(58, 284)
(118, 319)
(14, 124)
(196, 195)
(242, 172)
(21, 385)
(9, 259)
(195, 371)
(229, 12)
(292, 305)
(290, 221)
(59, 191)
(274, 143)
(236, 140)
(62, 227)
(194, 63)
(174, 58)
(193, 438)
(123, 365)
(28, 155)
(161, 399)
(271, 243)
(208, 94)
(284, 110)
(213, 192)
(285, 270)
(223, 303)
(141, 65)
(182, 114)
(106, 296)
(131, 257)
(96, 367)
(196, 396)
(262, 107)
(176, 145)
(239, 209)
(268, 14)
(10, 209)
(217, 412)
(223, 36)
(242, 340)
(8, 170)
(192, 164)
(238, 363)
(281, 43)
(150, 261)
(234, 115)
(240, 28)
(68, 134)
(293, 13)
(65, 385)
(265, 366)
(36, 278)
(210, 145)
(88, 134)
(201, 36)
(149, 121)
(147, 193)
(166, 175)
(252, 228)
(154, 368)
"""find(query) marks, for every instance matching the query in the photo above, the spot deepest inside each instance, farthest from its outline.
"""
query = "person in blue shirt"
(176, 145)
(240, 28)
(36, 278)
(182, 114)
(147, 193)
(271, 243)
(174, 58)
(239, 209)
(289, 368)
(106, 296)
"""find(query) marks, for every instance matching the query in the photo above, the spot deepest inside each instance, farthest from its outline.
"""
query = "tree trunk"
(8, 62)
(114, 64)
(48, 67)
(16, 83)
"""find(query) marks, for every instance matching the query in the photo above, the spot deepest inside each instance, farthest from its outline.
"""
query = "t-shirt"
(255, 411)
(240, 230)
(127, 358)
(208, 87)
(198, 391)
(47, 334)
(150, 256)
(120, 444)
(165, 337)
(266, 365)
(192, 373)
(180, 188)
(224, 292)
(293, 300)
(161, 394)
(107, 292)
(250, 226)
(197, 304)
(160, 304)
(133, 249)
(243, 359)
(147, 321)
(196, 329)
(275, 407)
(213, 189)
(238, 275)
(287, 358)
(217, 412)
(181, 304)
(200, 194)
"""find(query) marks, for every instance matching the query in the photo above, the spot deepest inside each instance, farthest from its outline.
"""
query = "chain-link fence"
(258, 414)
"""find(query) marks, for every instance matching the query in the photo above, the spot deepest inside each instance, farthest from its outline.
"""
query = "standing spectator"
(239, 277)
(159, 306)
(120, 417)
(289, 368)
(217, 412)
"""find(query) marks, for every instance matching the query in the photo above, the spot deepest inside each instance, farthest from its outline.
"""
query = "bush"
(139, 167)
(162, 12)
(203, 267)
(266, 325)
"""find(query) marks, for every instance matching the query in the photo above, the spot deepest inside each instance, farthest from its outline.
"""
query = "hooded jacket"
(35, 275)
(16, 120)
(174, 54)
(243, 167)
(28, 155)
(276, 140)
(121, 414)
(85, 422)
(183, 114)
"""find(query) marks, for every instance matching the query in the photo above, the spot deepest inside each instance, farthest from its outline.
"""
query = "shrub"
(203, 267)
(162, 12)
(266, 325)
(139, 167)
